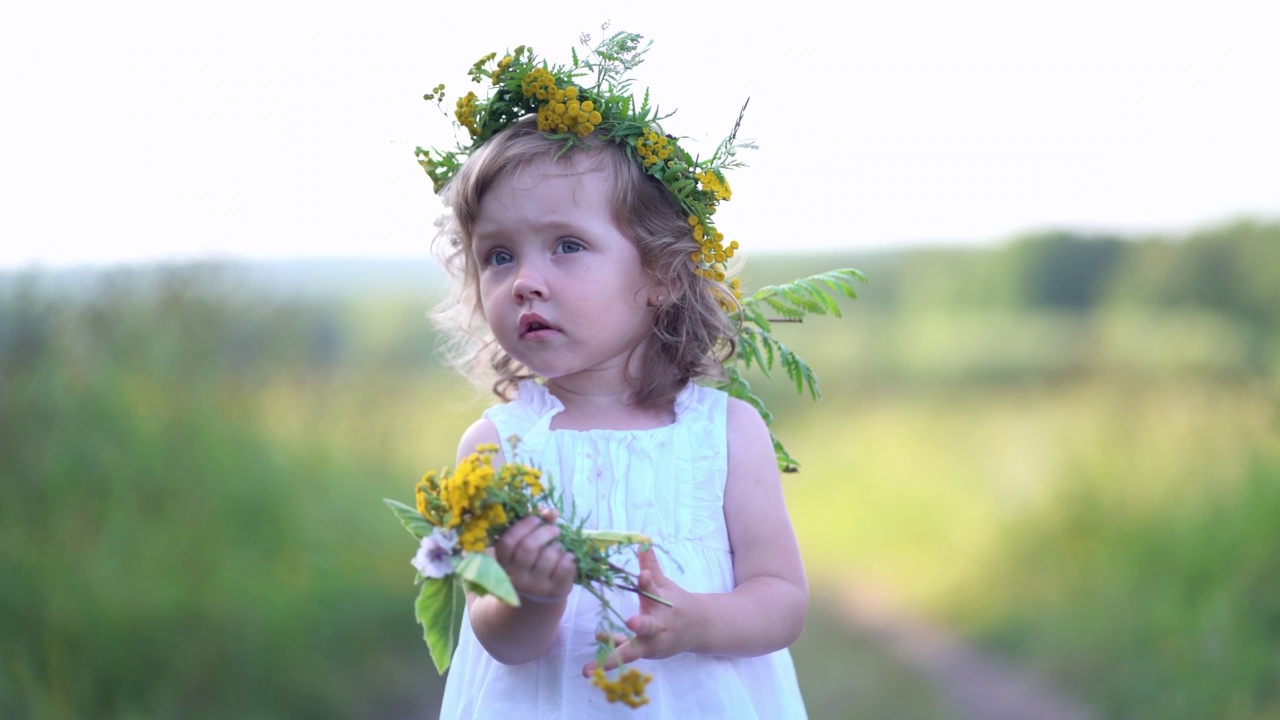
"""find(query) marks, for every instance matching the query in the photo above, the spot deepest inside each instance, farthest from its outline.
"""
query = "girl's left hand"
(660, 630)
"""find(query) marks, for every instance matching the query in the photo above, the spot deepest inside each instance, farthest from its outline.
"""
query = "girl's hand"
(540, 569)
(660, 631)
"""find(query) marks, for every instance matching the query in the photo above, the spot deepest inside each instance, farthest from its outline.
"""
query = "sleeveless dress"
(669, 484)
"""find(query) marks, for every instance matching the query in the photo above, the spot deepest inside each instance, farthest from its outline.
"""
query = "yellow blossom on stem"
(466, 113)
(627, 688)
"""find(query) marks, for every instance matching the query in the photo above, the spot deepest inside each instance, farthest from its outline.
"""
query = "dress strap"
(526, 418)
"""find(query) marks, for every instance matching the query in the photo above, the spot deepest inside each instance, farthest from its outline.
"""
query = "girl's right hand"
(540, 569)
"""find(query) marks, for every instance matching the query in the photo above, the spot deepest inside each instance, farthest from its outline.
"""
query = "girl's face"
(561, 287)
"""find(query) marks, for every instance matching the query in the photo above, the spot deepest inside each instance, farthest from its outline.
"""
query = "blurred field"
(1082, 475)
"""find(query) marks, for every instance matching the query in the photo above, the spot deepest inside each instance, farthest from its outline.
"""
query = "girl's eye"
(568, 246)
(500, 257)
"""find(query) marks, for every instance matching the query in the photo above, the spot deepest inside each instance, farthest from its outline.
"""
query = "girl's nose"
(529, 285)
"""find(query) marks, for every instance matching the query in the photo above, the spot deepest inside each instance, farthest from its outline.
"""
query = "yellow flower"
(714, 184)
(466, 113)
(562, 112)
(503, 64)
(627, 688)
(536, 82)
(463, 491)
(422, 490)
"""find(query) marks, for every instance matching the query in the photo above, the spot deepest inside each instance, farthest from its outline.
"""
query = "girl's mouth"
(534, 325)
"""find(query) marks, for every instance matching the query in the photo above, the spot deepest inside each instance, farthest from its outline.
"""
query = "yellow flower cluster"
(628, 688)
(469, 498)
(539, 83)
(475, 533)
(713, 253)
(516, 475)
(561, 111)
(466, 114)
(652, 147)
(715, 185)
(564, 113)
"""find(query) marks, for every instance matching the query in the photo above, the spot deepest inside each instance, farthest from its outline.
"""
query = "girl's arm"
(540, 570)
(765, 611)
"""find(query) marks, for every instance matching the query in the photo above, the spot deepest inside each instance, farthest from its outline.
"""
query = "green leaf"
(483, 575)
(750, 352)
(439, 610)
(410, 518)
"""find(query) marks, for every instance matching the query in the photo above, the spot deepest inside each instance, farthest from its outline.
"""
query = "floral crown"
(568, 108)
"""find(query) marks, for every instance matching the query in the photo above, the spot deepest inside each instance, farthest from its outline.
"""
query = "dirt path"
(978, 686)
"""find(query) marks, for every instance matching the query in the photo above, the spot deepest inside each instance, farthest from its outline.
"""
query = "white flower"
(435, 554)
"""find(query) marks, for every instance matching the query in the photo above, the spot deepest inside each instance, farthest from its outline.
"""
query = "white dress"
(669, 484)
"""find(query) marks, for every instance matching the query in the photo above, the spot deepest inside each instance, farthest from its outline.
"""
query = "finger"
(566, 568)
(649, 563)
(506, 544)
(524, 540)
(644, 625)
(548, 562)
(625, 653)
(618, 638)
(538, 543)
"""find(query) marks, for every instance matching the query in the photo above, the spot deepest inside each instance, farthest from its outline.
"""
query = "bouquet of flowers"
(461, 513)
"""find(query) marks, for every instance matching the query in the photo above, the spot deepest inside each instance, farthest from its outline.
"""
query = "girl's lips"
(534, 326)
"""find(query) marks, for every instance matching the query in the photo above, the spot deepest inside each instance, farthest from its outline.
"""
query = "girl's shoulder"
(481, 432)
(700, 400)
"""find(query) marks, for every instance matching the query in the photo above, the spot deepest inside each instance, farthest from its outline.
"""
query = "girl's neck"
(605, 411)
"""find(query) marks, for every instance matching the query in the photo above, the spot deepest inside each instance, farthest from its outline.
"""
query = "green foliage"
(410, 518)
(439, 611)
(162, 556)
(1183, 595)
(1229, 270)
(759, 348)
(1115, 535)
(481, 574)
(1064, 271)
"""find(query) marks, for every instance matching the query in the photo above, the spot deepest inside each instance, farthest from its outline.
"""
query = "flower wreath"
(567, 108)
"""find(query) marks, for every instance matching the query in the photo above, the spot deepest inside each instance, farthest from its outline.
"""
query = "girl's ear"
(658, 294)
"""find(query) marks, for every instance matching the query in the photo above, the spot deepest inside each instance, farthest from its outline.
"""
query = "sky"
(142, 130)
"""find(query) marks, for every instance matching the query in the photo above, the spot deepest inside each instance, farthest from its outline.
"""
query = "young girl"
(576, 284)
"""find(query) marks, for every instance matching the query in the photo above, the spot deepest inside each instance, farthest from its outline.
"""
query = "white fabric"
(669, 484)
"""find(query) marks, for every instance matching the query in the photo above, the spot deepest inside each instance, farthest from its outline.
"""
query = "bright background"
(1062, 446)
(144, 129)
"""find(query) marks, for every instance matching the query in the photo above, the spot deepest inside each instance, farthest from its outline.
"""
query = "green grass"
(161, 557)
(1178, 585)
(1117, 535)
